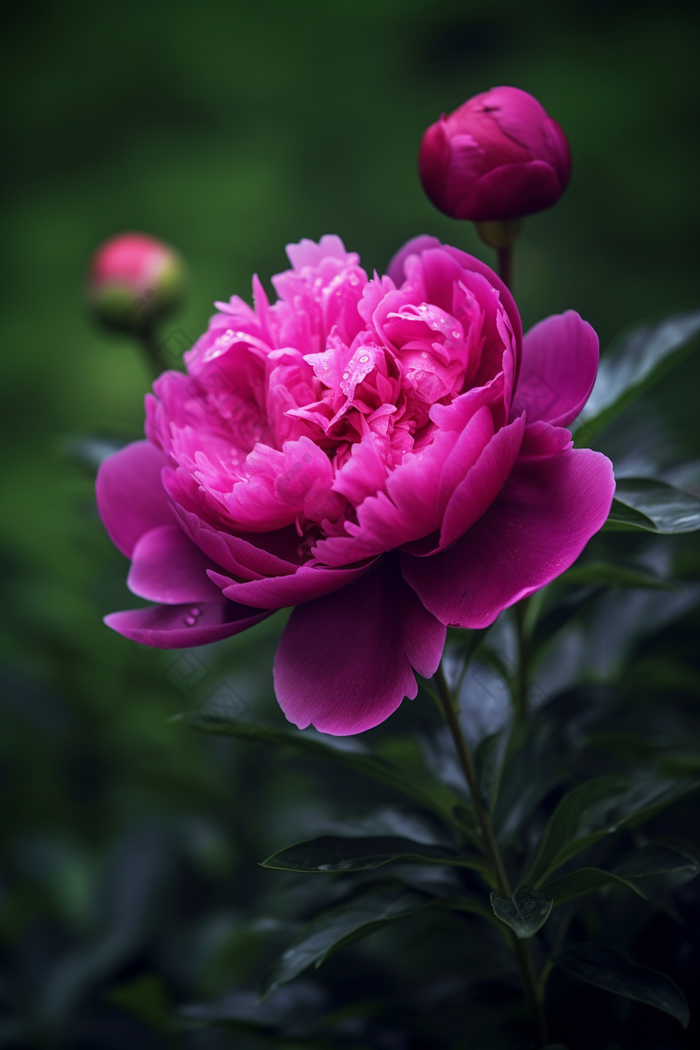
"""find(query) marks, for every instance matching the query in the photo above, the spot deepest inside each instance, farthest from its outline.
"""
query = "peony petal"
(482, 483)
(540, 522)
(167, 567)
(242, 555)
(424, 634)
(343, 662)
(513, 190)
(558, 370)
(130, 495)
(306, 584)
(415, 246)
(469, 262)
(418, 493)
(182, 626)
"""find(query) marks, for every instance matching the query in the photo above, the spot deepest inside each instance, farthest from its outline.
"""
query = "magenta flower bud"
(497, 157)
(133, 280)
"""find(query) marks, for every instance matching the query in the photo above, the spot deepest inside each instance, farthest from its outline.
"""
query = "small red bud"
(499, 156)
(133, 280)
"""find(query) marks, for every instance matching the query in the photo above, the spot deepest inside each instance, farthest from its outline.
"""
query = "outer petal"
(344, 662)
(130, 495)
(415, 246)
(305, 585)
(513, 190)
(182, 626)
(470, 262)
(239, 554)
(167, 567)
(482, 483)
(558, 370)
(542, 519)
(425, 243)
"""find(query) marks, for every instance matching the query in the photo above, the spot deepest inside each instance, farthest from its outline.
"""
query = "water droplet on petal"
(195, 612)
(190, 621)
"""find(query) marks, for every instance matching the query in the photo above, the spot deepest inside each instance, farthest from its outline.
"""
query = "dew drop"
(195, 612)
(424, 354)
(346, 375)
(364, 359)
(190, 621)
(455, 335)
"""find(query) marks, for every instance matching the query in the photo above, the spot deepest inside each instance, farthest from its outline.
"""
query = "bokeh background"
(129, 844)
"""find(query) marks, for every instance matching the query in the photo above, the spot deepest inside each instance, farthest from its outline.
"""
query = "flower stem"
(153, 351)
(520, 686)
(522, 949)
(505, 266)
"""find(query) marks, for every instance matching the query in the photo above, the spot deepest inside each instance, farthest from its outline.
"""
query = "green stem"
(521, 683)
(522, 949)
(505, 266)
(153, 351)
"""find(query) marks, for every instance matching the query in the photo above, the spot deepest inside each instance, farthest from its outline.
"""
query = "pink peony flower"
(499, 156)
(387, 455)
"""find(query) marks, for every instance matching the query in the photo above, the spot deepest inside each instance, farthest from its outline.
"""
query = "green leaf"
(332, 853)
(598, 808)
(636, 361)
(609, 969)
(583, 881)
(352, 755)
(299, 1005)
(340, 926)
(647, 505)
(658, 858)
(608, 574)
(525, 912)
(469, 903)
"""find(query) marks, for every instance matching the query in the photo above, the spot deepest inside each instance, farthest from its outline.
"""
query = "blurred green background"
(228, 130)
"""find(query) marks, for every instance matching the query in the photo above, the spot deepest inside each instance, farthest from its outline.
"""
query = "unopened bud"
(498, 157)
(134, 280)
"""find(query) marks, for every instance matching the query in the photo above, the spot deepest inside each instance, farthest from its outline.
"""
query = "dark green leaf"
(606, 968)
(525, 912)
(298, 1005)
(657, 858)
(608, 574)
(584, 880)
(333, 929)
(596, 809)
(647, 505)
(634, 363)
(351, 755)
(469, 903)
(332, 853)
